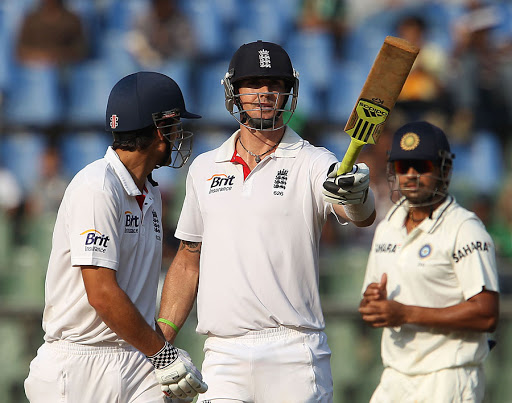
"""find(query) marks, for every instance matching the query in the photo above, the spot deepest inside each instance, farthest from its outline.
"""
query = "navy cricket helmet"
(264, 60)
(419, 141)
(136, 97)
(420, 145)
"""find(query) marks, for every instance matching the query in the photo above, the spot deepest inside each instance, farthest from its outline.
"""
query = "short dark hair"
(135, 140)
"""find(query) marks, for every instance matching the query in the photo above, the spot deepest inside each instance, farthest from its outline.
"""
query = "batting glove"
(177, 375)
(349, 188)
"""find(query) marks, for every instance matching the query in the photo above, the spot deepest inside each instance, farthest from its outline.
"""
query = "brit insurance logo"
(131, 223)
(221, 183)
(95, 241)
(280, 182)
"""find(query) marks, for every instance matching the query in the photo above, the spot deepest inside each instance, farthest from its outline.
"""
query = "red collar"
(237, 159)
(140, 198)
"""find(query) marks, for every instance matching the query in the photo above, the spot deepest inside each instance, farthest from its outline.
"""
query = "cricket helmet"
(261, 60)
(419, 144)
(144, 99)
(136, 97)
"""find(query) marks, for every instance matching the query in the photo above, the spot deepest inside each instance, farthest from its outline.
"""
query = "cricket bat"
(378, 96)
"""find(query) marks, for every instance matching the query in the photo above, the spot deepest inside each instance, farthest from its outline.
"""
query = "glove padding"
(349, 188)
(180, 379)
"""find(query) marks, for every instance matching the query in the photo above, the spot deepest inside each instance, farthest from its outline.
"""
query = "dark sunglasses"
(420, 166)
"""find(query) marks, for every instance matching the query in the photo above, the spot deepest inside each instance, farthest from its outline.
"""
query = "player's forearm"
(180, 288)
(123, 318)
(480, 315)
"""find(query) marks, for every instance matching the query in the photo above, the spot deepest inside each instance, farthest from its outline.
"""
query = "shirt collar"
(288, 147)
(122, 173)
(398, 214)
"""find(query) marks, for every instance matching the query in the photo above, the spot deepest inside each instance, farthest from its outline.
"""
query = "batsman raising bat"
(250, 230)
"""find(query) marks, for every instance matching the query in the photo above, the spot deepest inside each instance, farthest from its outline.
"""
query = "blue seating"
(312, 54)
(210, 30)
(89, 86)
(210, 97)
(21, 154)
(121, 14)
(11, 15)
(347, 80)
(91, 18)
(80, 149)
(34, 96)
(311, 104)
(262, 20)
(180, 71)
(114, 52)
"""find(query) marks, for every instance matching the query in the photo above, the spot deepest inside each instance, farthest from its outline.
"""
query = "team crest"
(280, 182)
(264, 56)
(425, 251)
(409, 141)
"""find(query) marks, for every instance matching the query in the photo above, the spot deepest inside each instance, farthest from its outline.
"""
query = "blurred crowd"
(60, 58)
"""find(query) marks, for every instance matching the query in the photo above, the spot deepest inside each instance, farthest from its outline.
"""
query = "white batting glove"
(177, 375)
(349, 188)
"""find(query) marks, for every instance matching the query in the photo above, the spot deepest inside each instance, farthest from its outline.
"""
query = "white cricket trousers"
(278, 365)
(64, 372)
(450, 385)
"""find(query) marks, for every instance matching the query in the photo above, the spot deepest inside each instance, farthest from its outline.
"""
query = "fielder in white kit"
(250, 229)
(431, 281)
(100, 295)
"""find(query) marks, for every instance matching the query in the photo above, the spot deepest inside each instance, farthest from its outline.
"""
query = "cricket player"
(100, 296)
(250, 229)
(431, 281)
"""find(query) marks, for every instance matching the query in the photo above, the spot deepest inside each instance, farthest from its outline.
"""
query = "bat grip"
(350, 157)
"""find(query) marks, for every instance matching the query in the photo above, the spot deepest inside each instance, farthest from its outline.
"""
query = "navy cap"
(419, 141)
(135, 98)
(261, 59)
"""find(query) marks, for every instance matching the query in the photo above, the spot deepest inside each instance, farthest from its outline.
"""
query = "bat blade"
(378, 96)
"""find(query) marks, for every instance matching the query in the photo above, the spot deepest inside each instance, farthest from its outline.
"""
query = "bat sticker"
(367, 122)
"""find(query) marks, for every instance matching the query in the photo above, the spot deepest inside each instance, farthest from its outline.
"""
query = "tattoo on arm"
(192, 247)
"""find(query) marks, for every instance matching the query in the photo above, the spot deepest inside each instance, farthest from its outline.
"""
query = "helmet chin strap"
(258, 123)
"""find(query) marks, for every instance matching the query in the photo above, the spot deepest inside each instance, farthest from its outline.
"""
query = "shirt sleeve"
(371, 275)
(190, 224)
(94, 228)
(318, 176)
(474, 259)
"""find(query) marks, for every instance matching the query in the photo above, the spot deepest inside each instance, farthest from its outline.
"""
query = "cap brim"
(188, 115)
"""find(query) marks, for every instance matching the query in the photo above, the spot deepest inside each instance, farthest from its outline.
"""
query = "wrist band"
(360, 212)
(167, 355)
(168, 322)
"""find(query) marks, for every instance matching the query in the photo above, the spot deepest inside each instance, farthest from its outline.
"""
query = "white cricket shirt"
(260, 237)
(444, 261)
(100, 223)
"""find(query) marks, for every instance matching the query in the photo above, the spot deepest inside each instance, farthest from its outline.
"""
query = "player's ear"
(158, 134)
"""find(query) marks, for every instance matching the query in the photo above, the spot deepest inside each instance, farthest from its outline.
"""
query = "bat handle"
(350, 157)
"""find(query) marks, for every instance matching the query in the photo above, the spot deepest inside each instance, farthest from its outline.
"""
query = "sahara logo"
(468, 249)
(386, 248)
(95, 241)
(131, 223)
(221, 183)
